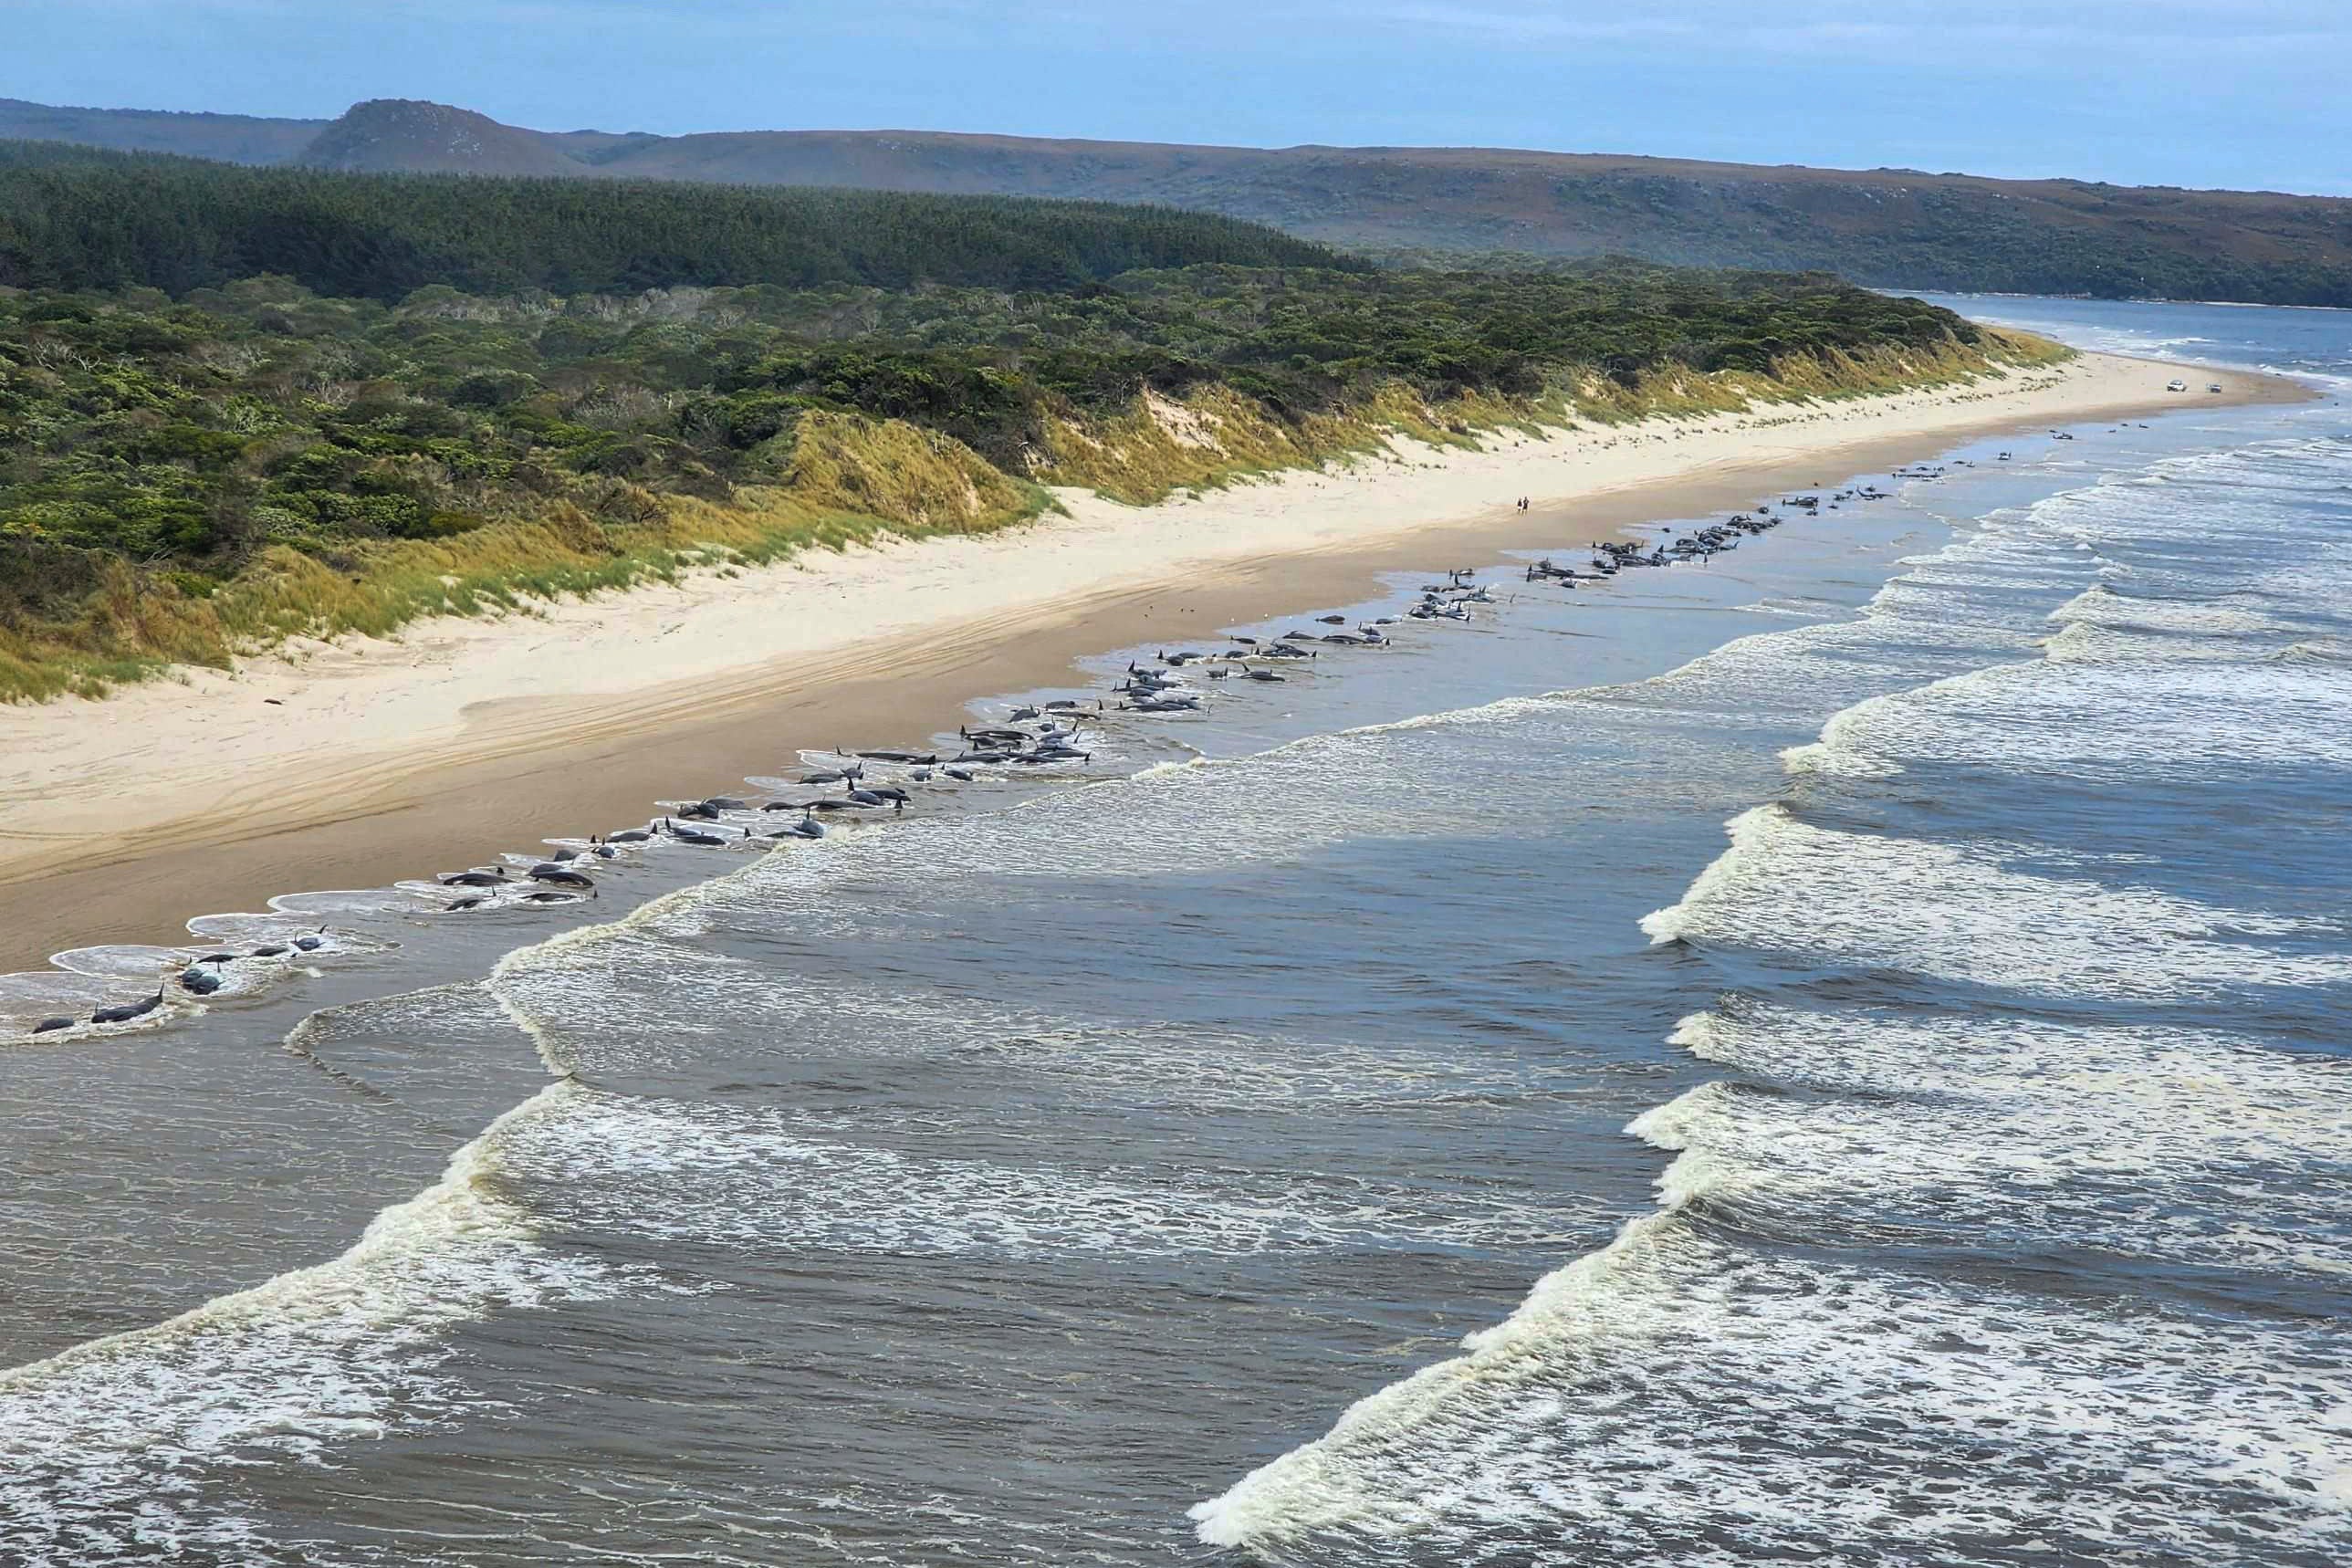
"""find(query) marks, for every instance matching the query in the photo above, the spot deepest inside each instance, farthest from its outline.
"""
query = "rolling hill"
(403, 136)
(1889, 227)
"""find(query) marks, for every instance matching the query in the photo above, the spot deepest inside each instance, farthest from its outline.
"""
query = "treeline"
(1969, 240)
(1896, 231)
(192, 433)
(76, 218)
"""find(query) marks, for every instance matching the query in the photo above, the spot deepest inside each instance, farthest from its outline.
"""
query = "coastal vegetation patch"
(189, 473)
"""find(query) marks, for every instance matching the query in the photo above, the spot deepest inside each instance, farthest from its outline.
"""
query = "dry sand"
(356, 764)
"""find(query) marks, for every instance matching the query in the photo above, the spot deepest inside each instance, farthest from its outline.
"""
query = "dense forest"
(74, 219)
(195, 437)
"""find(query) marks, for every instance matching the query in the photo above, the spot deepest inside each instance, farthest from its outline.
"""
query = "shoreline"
(359, 764)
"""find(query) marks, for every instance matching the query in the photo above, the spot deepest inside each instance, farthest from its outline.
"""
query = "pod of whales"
(1045, 733)
(1034, 734)
(199, 976)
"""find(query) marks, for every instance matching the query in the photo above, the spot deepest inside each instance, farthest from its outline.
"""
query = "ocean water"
(1839, 1055)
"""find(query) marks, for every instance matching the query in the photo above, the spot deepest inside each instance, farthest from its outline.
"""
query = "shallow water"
(1836, 1054)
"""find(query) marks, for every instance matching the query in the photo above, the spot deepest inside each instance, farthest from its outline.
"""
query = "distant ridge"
(1894, 228)
(231, 138)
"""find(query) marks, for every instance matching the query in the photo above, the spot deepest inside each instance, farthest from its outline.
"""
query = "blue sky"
(2206, 92)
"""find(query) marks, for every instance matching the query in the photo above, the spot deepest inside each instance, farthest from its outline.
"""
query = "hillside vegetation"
(182, 477)
(1887, 228)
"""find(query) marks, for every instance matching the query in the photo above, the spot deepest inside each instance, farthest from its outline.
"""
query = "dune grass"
(852, 480)
(849, 479)
(1215, 438)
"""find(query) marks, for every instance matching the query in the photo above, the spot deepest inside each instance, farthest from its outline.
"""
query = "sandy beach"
(359, 762)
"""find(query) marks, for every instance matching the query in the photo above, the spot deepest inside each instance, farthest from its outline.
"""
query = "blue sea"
(1841, 1054)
